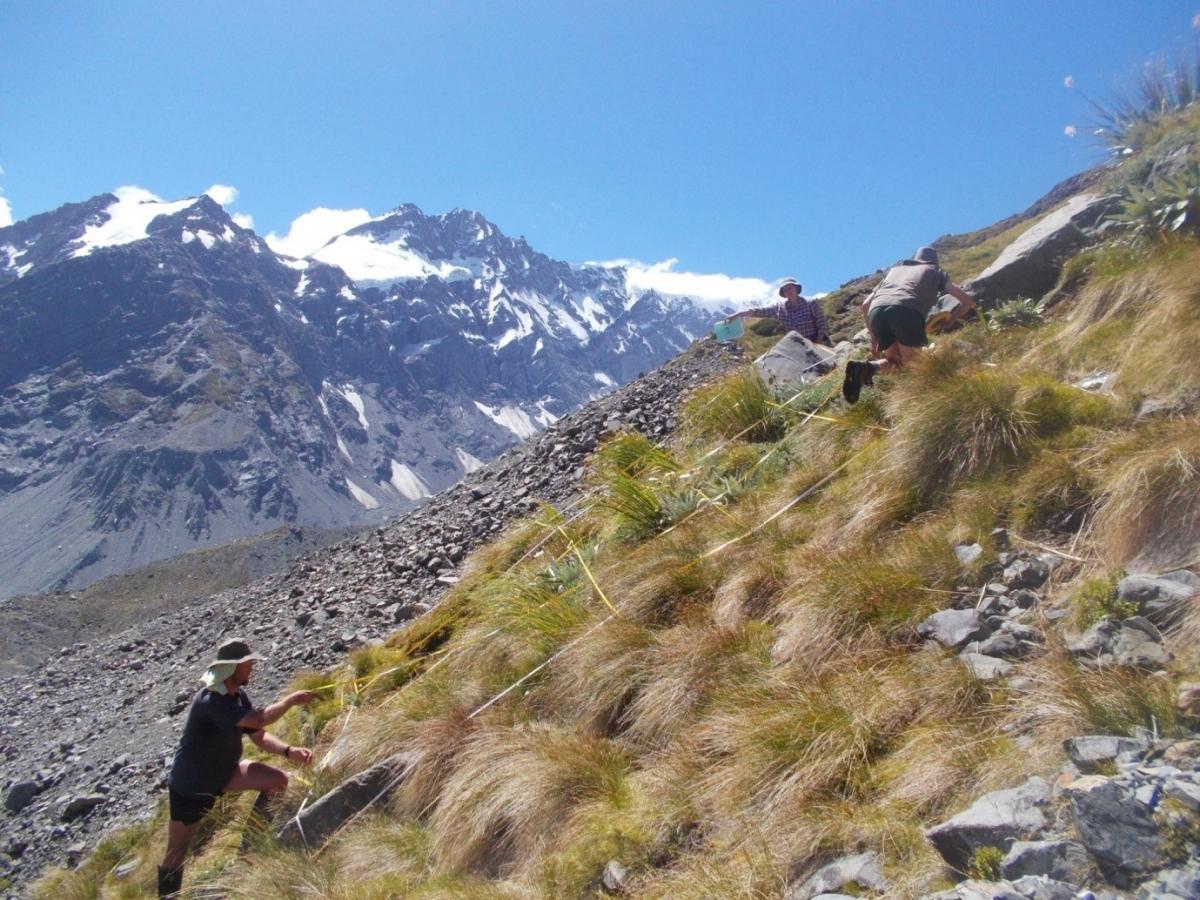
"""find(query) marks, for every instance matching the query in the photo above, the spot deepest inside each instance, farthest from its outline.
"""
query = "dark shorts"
(897, 324)
(189, 810)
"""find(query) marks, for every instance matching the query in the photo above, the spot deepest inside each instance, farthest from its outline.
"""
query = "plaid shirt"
(806, 318)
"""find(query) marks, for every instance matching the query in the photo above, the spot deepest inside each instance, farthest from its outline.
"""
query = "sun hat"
(786, 282)
(229, 655)
(926, 255)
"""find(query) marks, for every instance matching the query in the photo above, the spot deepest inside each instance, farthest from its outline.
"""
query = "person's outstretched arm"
(761, 312)
(966, 302)
(261, 718)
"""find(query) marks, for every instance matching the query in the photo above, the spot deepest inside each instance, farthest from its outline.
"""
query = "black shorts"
(897, 324)
(189, 810)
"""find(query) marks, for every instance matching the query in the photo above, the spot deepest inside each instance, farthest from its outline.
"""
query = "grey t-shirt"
(910, 283)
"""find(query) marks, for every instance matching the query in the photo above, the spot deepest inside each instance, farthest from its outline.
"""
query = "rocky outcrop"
(313, 825)
(858, 873)
(1137, 831)
(997, 819)
(795, 361)
(1029, 266)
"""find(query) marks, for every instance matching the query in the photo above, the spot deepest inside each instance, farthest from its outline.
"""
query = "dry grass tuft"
(514, 787)
(1149, 516)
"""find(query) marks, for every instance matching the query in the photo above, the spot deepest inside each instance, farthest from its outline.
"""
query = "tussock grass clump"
(1149, 516)
(954, 423)
(1054, 493)
(1142, 324)
(690, 662)
(740, 405)
(514, 787)
(1069, 699)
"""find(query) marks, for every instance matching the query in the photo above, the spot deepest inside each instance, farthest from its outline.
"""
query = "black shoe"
(866, 373)
(853, 382)
(170, 881)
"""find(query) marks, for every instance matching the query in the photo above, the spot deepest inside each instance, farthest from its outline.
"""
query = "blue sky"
(816, 139)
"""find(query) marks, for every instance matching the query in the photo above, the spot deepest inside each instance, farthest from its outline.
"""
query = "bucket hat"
(787, 281)
(229, 655)
(926, 255)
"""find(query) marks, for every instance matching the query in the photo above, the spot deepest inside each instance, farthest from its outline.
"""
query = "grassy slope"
(730, 689)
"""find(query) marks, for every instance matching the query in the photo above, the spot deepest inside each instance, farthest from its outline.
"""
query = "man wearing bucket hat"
(895, 314)
(209, 760)
(797, 313)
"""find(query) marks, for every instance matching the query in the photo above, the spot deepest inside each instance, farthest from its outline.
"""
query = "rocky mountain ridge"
(167, 381)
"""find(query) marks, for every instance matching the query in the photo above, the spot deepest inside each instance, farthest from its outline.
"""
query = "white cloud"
(314, 229)
(711, 290)
(225, 194)
(245, 220)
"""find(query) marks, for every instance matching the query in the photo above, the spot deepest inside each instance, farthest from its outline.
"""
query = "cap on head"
(786, 282)
(926, 255)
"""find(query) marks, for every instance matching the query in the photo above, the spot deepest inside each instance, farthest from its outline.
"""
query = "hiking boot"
(853, 382)
(866, 373)
(170, 881)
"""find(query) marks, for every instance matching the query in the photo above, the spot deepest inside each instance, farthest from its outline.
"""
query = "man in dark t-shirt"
(209, 761)
(895, 314)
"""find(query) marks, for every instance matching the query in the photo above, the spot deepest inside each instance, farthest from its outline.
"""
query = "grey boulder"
(1091, 752)
(858, 872)
(968, 553)
(994, 820)
(77, 807)
(1117, 829)
(315, 823)
(1029, 266)
(1134, 643)
(20, 795)
(985, 668)
(953, 628)
(1163, 599)
(795, 360)
(1059, 860)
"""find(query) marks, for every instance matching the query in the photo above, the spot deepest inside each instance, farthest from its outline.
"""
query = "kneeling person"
(895, 314)
(209, 760)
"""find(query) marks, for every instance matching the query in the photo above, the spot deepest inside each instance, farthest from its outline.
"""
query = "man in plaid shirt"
(797, 313)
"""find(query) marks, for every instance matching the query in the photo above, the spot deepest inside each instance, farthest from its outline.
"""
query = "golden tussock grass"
(513, 787)
(1149, 514)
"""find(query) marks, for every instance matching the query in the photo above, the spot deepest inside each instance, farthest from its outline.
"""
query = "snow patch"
(467, 461)
(355, 399)
(604, 379)
(513, 418)
(346, 293)
(408, 482)
(342, 448)
(369, 261)
(361, 496)
(302, 286)
(127, 219)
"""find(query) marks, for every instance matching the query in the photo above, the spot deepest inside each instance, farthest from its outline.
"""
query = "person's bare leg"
(256, 776)
(179, 838)
(268, 781)
(897, 356)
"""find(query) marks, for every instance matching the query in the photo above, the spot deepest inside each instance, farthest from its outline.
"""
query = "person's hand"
(301, 755)
(300, 698)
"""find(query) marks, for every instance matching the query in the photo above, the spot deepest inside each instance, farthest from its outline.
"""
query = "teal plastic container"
(728, 331)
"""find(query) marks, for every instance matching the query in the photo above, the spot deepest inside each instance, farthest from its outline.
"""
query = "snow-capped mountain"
(168, 380)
